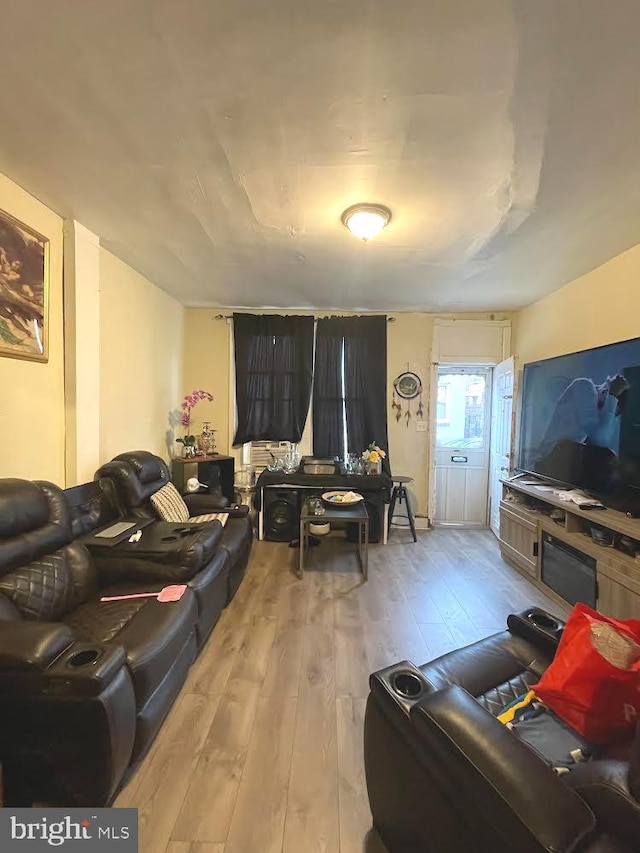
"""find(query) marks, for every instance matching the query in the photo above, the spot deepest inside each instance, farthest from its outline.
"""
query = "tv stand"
(529, 511)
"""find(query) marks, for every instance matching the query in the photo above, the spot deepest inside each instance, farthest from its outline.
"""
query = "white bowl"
(320, 529)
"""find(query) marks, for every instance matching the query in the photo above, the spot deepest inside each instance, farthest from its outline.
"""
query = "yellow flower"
(374, 456)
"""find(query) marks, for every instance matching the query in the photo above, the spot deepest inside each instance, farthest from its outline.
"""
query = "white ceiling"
(213, 146)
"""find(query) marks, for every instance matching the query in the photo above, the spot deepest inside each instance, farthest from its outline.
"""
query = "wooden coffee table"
(356, 514)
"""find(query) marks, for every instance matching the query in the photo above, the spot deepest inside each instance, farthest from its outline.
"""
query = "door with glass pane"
(462, 445)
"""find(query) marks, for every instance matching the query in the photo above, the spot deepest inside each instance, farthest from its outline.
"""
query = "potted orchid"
(188, 441)
(373, 456)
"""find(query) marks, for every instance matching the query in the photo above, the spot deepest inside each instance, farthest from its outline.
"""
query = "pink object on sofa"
(168, 593)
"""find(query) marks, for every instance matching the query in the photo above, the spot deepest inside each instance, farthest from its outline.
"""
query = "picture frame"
(24, 291)
(407, 385)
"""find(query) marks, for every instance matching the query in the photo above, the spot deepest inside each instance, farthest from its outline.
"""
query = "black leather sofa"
(84, 684)
(443, 774)
(200, 561)
(137, 475)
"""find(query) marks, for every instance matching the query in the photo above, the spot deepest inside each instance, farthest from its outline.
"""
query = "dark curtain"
(327, 389)
(363, 341)
(274, 370)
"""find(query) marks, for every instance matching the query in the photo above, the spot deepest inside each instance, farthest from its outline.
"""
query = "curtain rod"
(326, 317)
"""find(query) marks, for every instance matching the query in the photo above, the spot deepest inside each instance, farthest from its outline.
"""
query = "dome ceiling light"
(366, 220)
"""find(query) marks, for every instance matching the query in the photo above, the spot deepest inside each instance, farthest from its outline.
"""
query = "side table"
(357, 514)
(214, 471)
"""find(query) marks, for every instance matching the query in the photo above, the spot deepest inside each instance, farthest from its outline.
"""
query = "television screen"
(580, 420)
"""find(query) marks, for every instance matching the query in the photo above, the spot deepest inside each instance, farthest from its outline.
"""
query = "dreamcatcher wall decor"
(407, 386)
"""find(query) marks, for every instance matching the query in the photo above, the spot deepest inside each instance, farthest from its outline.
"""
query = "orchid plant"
(190, 400)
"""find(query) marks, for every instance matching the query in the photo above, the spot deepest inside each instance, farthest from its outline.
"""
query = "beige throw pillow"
(222, 517)
(169, 505)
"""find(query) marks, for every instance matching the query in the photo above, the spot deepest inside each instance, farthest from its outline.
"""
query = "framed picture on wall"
(24, 291)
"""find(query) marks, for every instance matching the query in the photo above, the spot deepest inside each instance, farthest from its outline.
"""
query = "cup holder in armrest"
(408, 685)
(169, 539)
(543, 620)
(537, 626)
(402, 684)
(86, 657)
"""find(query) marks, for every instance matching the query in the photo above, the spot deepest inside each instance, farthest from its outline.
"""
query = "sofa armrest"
(538, 627)
(202, 504)
(199, 504)
(481, 762)
(32, 645)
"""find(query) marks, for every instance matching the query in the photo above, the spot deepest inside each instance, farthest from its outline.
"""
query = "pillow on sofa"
(222, 517)
(169, 505)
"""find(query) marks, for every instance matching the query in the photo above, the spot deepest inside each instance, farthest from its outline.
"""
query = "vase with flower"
(373, 457)
(188, 441)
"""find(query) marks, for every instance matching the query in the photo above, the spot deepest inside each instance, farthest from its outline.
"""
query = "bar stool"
(398, 495)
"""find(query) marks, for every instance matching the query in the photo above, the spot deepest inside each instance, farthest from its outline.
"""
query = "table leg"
(365, 565)
(301, 548)
(261, 517)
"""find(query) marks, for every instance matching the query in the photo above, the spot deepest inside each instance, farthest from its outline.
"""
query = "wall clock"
(407, 386)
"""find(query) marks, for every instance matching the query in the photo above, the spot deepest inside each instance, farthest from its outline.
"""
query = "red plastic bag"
(594, 681)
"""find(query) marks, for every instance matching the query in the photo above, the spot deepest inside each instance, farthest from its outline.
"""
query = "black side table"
(356, 513)
(216, 472)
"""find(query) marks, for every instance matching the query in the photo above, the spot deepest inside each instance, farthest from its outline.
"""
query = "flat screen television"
(580, 421)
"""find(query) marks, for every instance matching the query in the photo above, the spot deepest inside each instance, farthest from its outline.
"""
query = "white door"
(462, 445)
(501, 430)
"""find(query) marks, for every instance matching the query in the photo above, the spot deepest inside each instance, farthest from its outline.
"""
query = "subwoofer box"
(374, 504)
(281, 515)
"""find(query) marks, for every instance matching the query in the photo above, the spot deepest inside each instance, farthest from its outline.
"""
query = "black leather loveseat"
(85, 684)
(137, 475)
(443, 774)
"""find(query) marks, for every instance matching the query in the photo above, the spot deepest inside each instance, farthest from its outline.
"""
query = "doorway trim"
(494, 345)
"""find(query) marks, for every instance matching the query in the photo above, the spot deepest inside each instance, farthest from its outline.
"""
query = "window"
(460, 414)
(442, 411)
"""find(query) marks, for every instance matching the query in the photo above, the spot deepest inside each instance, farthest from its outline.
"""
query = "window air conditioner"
(259, 454)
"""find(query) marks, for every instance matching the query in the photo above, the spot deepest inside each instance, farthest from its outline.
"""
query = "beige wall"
(32, 393)
(409, 341)
(600, 307)
(206, 367)
(141, 351)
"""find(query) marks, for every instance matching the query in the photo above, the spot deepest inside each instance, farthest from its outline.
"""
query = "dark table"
(309, 484)
(215, 471)
(356, 513)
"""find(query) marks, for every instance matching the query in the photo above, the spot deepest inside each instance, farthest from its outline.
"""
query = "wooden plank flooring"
(263, 749)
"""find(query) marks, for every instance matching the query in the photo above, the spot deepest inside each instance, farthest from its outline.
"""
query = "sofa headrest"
(136, 476)
(147, 467)
(91, 505)
(34, 520)
(23, 507)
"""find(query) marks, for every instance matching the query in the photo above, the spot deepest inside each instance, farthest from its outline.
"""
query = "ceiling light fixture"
(366, 220)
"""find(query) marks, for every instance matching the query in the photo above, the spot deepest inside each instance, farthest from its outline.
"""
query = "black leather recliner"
(443, 774)
(84, 684)
(200, 561)
(139, 474)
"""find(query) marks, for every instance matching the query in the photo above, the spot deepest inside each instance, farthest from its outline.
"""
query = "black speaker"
(281, 515)
(374, 504)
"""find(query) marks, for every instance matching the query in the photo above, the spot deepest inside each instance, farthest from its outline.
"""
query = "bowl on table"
(341, 499)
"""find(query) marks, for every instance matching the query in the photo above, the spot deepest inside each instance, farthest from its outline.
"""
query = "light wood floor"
(262, 752)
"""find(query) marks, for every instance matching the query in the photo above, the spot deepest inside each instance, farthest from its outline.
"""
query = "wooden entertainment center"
(525, 516)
